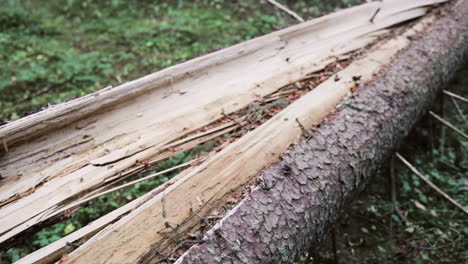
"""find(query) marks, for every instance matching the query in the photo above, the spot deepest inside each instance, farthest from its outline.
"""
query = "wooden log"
(301, 196)
(67, 152)
(153, 230)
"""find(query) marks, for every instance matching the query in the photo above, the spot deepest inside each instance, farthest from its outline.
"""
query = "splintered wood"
(233, 126)
(56, 158)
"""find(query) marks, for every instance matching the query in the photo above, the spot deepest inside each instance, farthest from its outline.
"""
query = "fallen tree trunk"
(154, 224)
(301, 197)
(54, 159)
(154, 230)
(51, 158)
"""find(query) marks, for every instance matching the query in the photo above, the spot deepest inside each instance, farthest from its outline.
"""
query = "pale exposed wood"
(131, 122)
(122, 139)
(60, 188)
(53, 251)
(127, 185)
(138, 129)
(431, 184)
(180, 146)
(172, 148)
(207, 186)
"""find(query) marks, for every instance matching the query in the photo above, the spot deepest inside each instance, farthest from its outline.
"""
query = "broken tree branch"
(431, 184)
(446, 123)
(287, 10)
(456, 96)
(459, 110)
(395, 203)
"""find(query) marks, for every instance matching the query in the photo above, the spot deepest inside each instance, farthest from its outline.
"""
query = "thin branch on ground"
(234, 120)
(443, 129)
(428, 182)
(157, 174)
(335, 249)
(287, 10)
(445, 122)
(456, 96)
(451, 166)
(459, 110)
(395, 205)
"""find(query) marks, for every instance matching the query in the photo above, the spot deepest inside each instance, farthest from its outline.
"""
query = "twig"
(459, 111)
(131, 183)
(174, 229)
(375, 14)
(432, 185)
(449, 165)
(463, 99)
(233, 120)
(395, 206)
(34, 94)
(143, 179)
(335, 250)
(287, 10)
(304, 131)
(443, 121)
(443, 129)
(431, 136)
(205, 221)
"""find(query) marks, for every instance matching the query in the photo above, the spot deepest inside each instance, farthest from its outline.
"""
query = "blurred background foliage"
(53, 51)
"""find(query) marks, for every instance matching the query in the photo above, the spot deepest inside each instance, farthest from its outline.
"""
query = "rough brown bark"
(301, 197)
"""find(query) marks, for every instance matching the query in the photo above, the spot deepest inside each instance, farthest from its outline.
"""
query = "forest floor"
(54, 51)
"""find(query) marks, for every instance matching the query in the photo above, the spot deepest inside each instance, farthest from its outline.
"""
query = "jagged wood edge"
(303, 195)
(77, 183)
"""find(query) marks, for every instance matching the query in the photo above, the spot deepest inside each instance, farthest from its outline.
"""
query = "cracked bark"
(303, 195)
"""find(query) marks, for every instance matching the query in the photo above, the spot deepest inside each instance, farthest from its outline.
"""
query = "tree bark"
(301, 197)
(103, 156)
(55, 157)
